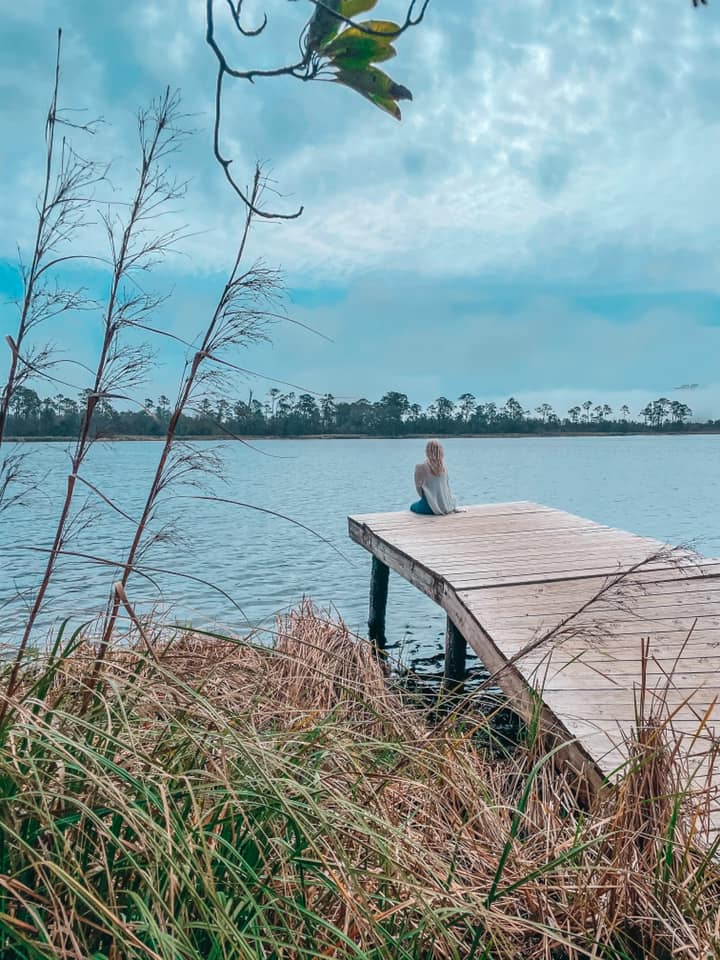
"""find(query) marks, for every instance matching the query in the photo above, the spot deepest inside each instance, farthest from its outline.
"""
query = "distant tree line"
(296, 415)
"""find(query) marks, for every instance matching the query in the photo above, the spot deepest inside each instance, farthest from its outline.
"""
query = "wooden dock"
(559, 610)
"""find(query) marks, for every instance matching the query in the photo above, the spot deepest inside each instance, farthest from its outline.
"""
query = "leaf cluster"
(351, 50)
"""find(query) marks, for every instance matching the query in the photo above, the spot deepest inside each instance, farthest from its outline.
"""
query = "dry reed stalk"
(119, 366)
(239, 318)
(66, 193)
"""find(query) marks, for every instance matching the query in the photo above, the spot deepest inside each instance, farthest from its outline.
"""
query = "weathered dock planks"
(559, 609)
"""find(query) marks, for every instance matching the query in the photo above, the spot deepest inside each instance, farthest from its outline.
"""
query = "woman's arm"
(419, 477)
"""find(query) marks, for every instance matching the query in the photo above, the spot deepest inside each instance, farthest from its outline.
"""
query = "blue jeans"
(422, 506)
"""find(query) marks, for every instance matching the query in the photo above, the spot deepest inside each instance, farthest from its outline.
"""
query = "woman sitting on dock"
(431, 483)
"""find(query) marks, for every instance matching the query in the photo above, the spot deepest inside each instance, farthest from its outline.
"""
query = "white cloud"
(538, 136)
(551, 144)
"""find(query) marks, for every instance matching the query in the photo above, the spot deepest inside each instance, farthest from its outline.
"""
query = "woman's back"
(435, 488)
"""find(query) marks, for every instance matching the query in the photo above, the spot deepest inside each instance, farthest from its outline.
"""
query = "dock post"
(378, 603)
(455, 651)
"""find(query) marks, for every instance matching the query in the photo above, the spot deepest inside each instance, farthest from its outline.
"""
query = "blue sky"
(542, 223)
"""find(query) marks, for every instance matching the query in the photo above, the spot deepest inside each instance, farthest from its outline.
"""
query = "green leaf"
(373, 81)
(376, 26)
(359, 62)
(323, 25)
(377, 86)
(351, 8)
(386, 103)
(352, 52)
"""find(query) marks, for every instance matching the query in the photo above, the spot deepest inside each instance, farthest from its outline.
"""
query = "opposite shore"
(701, 430)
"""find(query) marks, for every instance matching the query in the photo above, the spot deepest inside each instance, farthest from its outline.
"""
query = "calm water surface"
(664, 487)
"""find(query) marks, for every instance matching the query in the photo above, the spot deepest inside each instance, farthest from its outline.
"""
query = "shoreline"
(250, 438)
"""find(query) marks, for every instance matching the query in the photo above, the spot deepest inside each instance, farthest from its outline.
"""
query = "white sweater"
(436, 490)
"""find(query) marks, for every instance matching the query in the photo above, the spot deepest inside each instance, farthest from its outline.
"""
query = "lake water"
(664, 487)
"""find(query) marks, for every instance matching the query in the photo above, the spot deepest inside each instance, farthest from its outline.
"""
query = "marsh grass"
(222, 799)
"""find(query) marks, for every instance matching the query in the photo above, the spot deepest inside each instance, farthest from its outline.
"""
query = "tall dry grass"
(227, 800)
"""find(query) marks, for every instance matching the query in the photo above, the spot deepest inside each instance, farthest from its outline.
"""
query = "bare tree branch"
(310, 66)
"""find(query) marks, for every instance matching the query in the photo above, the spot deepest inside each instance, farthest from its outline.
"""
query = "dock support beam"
(378, 603)
(455, 653)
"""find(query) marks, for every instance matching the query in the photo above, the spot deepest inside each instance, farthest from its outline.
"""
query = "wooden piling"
(378, 603)
(455, 655)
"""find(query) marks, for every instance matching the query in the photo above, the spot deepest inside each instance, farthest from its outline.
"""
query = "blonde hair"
(435, 456)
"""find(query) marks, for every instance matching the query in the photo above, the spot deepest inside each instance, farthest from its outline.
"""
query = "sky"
(543, 222)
